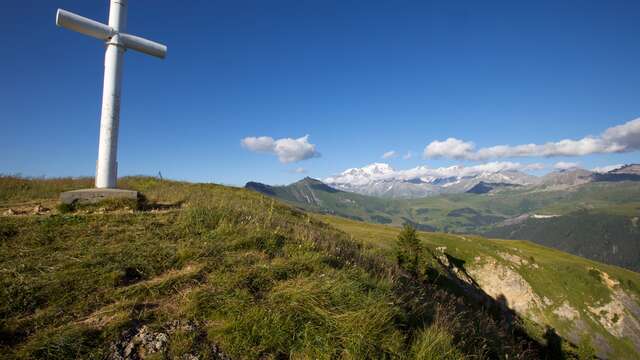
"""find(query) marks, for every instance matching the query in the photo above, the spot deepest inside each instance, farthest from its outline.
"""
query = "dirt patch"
(113, 312)
(620, 315)
(515, 259)
(104, 316)
(187, 270)
(611, 316)
(26, 209)
(565, 311)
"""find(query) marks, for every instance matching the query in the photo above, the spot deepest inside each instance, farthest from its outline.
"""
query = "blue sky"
(361, 78)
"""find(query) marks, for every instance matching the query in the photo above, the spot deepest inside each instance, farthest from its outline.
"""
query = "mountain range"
(379, 179)
(590, 214)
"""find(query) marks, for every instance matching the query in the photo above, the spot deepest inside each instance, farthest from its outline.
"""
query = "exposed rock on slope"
(566, 178)
(500, 281)
(620, 316)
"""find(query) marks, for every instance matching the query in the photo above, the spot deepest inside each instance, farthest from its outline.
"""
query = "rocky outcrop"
(499, 277)
(142, 342)
(506, 285)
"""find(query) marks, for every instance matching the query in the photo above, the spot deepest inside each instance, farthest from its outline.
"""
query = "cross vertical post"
(117, 42)
(107, 165)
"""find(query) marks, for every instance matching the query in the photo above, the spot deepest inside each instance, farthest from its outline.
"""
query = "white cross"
(117, 42)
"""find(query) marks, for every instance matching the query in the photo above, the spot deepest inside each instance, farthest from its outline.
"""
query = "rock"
(565, 311)
(500, 281)
(218, 353)
(141, 342)
(40, 210)
(89, 196)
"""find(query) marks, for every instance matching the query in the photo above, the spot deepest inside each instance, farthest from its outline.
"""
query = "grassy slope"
(620, 198)
(616, 204)
(559, 277)
(311, 195)
(254, 277)
(594, 235)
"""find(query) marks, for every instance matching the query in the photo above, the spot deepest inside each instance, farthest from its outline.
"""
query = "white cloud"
(563, 165)
(258, 144)
(408, 155)
(288, 150)
(389, 154)
(607, 168)
(299, 170)
(617, 139)
(450, 148)
(626, 135)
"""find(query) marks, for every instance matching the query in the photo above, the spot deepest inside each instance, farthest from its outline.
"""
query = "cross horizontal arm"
(83, 25)
(143, 45)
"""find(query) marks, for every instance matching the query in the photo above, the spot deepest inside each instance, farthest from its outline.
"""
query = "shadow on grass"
(478, 323)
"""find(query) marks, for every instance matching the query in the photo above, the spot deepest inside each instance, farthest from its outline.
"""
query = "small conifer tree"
(409, 250)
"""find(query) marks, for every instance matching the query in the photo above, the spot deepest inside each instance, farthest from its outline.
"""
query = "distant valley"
(594, 215)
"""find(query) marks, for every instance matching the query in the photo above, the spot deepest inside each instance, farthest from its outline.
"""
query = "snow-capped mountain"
(380, 179)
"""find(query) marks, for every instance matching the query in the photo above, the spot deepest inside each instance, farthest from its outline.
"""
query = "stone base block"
(90, 196)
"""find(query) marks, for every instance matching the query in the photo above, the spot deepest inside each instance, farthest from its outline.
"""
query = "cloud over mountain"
(287, 150)
(563, 165)
(617, 139)
(389, 154)
(607, 168)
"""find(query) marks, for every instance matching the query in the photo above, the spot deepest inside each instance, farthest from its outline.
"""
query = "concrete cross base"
(90, 196)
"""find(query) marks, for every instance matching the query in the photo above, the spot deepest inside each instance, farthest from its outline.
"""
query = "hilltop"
(208, 271)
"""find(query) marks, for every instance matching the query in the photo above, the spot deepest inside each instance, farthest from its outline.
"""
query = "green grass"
(259, 278)
(434, 343)
(562, 274)
(559, 276)
(231, 258)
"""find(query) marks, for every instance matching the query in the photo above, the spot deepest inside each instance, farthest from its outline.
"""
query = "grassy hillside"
(461, 212)
(619, 198)
(313, 195)
(579, 298)
(602, 237)
(615, 204)
(217, 272)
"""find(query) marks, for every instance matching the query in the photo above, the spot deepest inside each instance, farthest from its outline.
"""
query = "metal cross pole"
(117, 42)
